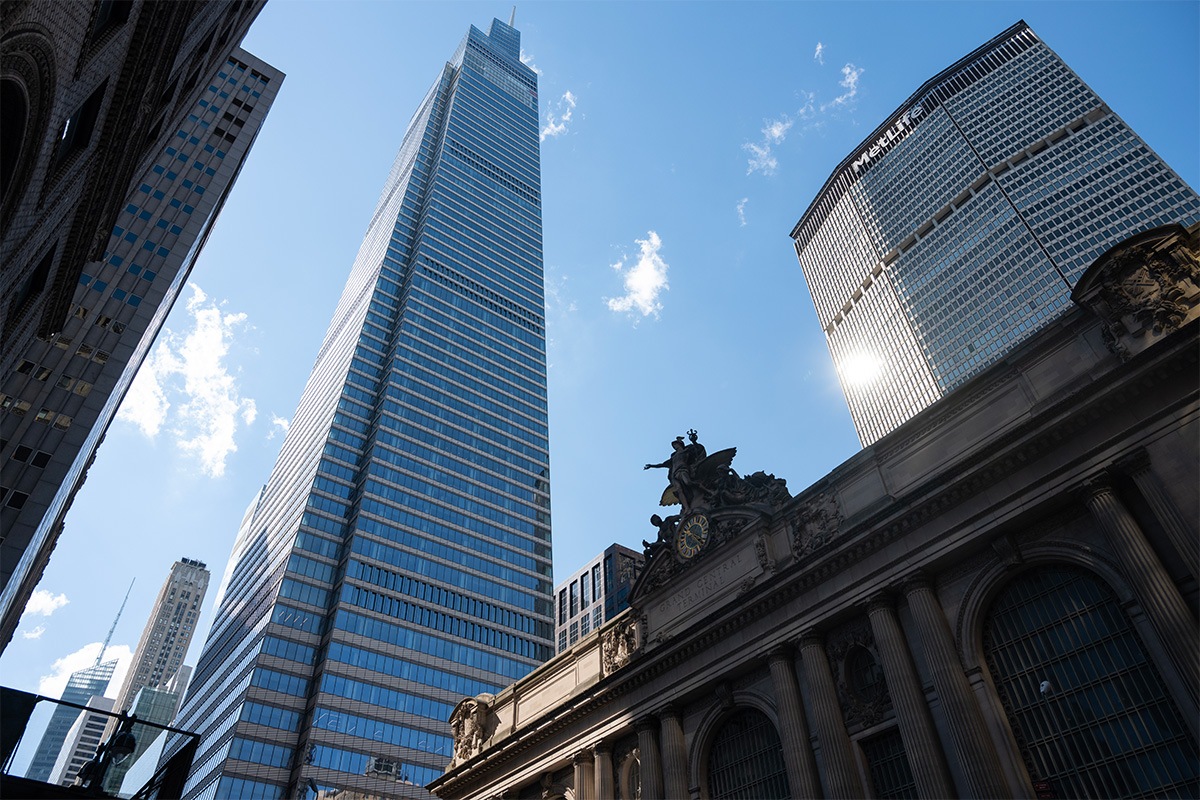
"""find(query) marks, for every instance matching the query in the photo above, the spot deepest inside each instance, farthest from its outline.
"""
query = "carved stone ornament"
(1145, 287)
(816, 525)
(619, 644)
(852, 655)
(472, 723)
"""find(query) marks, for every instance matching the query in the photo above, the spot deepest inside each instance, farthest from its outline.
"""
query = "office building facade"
(1025, 177)
(81, 687)
(595, 594)
(399, 554)
(63, 389)
(81, 742)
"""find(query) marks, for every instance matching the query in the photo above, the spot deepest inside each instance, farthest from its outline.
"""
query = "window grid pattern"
(1104, 726)
(836, 261)
(891, 774)
(746, 760)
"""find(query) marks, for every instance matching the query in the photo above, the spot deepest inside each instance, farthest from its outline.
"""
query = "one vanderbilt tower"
(398, 558)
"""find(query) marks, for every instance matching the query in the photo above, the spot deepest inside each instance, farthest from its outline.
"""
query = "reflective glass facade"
(961, 224)
(81, 686)
(399, 556)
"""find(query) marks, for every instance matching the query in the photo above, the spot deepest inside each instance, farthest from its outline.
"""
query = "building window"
(596, 585)
(746, 759)
(562, 607)
(574, 598)
(76, 132)
(585, 590)
(1089, 710)
(890, 772)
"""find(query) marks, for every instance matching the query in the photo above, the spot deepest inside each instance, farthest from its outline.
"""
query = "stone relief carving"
(816, 525)
(619, 644)
(762, 549)
(472, 723)
(857, 673)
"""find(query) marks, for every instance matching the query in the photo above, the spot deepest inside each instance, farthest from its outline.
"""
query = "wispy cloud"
(741, 211)
(819, 53)
(34, 633)
(45, 603)
(190, 369)
(849, 82)
(559, 117)
(762, 157)
(53, 684)
(278, 425)
(527, 60)
(644, 281)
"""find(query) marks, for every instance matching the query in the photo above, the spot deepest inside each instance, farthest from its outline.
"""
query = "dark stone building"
(997, 599)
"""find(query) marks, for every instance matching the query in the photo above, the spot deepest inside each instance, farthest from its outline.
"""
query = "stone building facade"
(998, 599)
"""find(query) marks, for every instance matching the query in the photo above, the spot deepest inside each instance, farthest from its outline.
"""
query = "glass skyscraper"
(399, 556)
(81, 686)
(960, 225)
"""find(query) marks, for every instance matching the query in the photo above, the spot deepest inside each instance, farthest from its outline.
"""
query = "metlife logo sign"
(894, 135)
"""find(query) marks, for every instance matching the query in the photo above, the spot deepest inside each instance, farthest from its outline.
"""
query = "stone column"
(602, 769)
(921, 743)
(793, 727)
(674, 753)
(651, 766)
(1157, 594)
(585, 778)
(973, 748)
(1180, 532)
(841, 773)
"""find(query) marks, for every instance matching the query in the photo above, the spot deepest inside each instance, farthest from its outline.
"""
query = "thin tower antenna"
(108, 638)
(512, 18)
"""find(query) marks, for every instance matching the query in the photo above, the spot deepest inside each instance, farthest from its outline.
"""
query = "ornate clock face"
(692, 535)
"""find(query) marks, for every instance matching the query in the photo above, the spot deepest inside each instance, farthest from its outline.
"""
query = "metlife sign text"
(891, 137)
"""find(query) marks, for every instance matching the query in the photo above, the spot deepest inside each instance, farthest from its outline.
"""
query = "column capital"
(1133, 463)
(583, 756)
(883, 599)
(669, 711)
(781, 652)
(1094, 487)
(646, 723)
(917, 580)
(603, 748)
(812, 638)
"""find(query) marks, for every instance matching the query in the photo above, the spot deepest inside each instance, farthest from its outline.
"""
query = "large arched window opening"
(745, 761)
(1089, 709)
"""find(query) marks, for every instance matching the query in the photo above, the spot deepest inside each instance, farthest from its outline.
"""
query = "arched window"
(1088, 708)
(746, 759)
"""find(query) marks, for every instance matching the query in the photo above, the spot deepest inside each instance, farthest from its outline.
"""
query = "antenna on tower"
(107, 639)
(512, 18)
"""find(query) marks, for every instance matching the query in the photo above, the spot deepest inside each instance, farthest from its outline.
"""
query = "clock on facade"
(692, 535)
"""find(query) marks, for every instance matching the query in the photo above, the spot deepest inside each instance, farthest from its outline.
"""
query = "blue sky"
(681, 143)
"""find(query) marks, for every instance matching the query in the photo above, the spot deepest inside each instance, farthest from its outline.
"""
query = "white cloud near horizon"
(53, 684)
(278, 425)
(189, 368)
(741, 211)
(644, 281)
(559, 116)
(45, 603)
(819, 54)
(527, 60)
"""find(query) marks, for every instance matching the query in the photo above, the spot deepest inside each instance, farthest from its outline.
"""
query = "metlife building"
(959, 227)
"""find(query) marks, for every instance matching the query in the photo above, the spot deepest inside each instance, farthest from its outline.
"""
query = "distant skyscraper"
(81, 741)
(63, 391)
(160, 652)
(595, 594)
(399, 556)
(959, 226)
(81, 686)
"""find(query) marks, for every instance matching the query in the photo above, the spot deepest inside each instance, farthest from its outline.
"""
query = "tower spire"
(512, 18)
(108, 638)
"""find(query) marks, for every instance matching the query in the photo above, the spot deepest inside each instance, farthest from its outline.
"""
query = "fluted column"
(602, 770)
(793, 727)
(651, 765)
(585, 778)
(973, 748)
(841, 773)
(674, 753)
(921, 743)
(1156, 592)
(1180, 532)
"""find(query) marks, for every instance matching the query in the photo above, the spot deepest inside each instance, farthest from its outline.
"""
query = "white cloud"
(527, 60)
(741, 211)
(762, 158)
(190, 368)
(819, 53)
(644, 281)
(45, 603)
(559, 117)
(278, 425)
(35, 633)
(849, 82)
(52, 685)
